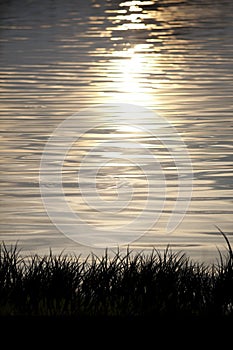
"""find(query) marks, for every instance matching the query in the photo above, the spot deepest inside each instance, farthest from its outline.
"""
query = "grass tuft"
(131, 285)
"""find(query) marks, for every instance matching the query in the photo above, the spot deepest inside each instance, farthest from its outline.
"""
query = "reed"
(132, 285)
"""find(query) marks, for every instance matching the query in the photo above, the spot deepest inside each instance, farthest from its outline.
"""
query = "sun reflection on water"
(172, 56)
(131, 65)
(133, 74)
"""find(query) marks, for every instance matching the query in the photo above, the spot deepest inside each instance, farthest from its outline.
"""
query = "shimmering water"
(172, 57)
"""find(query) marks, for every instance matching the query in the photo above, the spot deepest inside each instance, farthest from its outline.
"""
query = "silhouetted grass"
(131, 285)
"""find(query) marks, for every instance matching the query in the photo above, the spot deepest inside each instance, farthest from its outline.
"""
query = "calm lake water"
(172, 58)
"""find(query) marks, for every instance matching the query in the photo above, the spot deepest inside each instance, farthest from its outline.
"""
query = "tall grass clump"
(130, 285)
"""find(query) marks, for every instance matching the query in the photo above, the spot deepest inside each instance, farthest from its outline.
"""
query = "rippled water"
(172, 57)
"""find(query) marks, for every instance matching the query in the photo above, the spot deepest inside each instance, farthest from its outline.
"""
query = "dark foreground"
(122, 289)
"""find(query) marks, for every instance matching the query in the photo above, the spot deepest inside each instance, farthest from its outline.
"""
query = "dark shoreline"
(146, 289)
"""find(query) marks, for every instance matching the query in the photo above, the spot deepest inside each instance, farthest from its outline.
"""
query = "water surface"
(172, 57)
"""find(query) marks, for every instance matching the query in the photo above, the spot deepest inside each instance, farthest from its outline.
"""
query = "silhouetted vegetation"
(133, 285)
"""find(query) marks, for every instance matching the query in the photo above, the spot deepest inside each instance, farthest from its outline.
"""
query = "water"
(172, 57)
